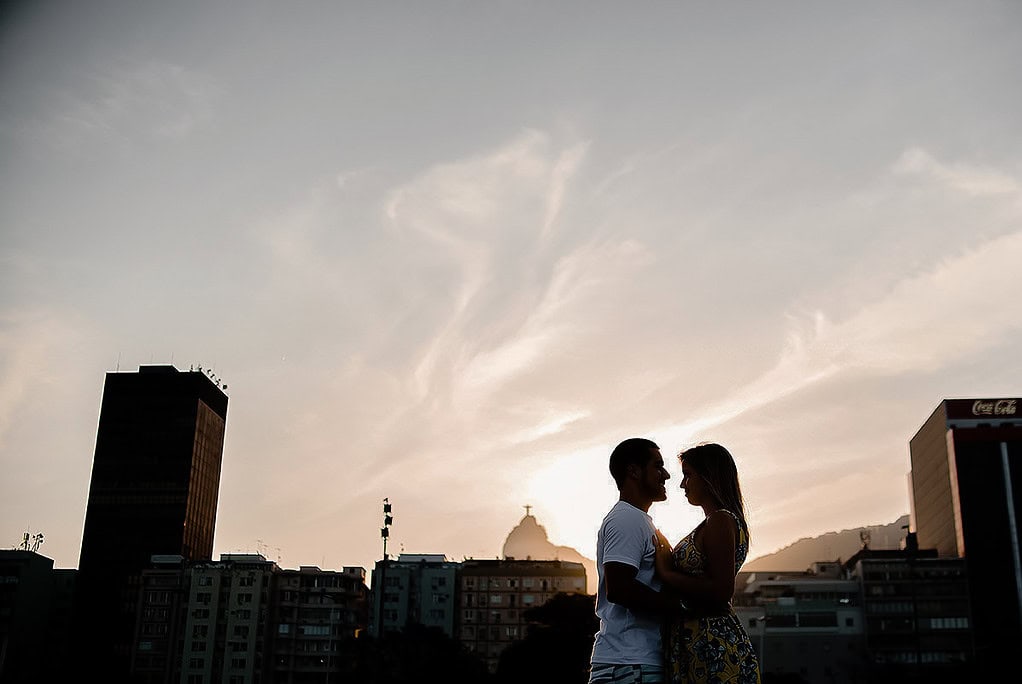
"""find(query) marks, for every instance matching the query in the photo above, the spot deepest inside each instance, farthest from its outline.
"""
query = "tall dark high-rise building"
(966, 483)
(155, 484)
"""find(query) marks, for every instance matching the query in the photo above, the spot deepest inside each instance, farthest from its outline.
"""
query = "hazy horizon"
(452, 253)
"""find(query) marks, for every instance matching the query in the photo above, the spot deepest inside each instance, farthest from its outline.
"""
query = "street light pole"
(388, 519)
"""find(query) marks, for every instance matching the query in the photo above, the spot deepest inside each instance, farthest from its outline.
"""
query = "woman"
(706, 641)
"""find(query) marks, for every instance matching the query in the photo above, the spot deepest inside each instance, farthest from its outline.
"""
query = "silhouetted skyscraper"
(967, 501)
(155, 484)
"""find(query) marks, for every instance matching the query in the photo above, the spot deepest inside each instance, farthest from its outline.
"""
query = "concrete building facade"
(966, 497)
(153, 490)
(495, 594)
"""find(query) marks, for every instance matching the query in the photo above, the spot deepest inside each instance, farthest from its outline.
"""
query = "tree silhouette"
(415, 654)
(558, 645)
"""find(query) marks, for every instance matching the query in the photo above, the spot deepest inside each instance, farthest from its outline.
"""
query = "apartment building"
(495, 594)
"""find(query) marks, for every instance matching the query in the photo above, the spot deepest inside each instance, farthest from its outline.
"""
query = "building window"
(817, 619)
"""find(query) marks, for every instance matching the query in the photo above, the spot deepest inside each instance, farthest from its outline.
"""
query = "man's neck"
(642, 504)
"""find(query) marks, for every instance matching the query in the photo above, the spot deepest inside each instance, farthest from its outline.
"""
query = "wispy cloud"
(125, 99)
(32, 355)
(956, 309)
(488, 214)
(968, 179)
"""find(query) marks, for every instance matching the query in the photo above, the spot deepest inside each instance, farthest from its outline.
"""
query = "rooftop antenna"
(31, 542)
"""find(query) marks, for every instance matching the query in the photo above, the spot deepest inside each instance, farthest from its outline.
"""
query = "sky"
(450, 253)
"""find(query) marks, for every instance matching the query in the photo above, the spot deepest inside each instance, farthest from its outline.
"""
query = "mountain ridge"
(829, 546)
(529, 540)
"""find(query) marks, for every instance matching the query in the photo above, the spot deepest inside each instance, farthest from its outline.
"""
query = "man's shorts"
(626, 674)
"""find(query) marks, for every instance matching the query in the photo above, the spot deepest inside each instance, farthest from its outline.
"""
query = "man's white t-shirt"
(626, 638)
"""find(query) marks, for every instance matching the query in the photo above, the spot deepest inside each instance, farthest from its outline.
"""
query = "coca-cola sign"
(993, 411)
(994, 407)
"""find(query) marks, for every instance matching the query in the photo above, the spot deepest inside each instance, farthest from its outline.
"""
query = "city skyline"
(450, 255)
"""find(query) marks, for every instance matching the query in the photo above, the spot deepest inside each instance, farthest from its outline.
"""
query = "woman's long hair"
(715, 465)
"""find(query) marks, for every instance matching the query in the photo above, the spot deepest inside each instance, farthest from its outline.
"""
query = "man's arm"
(624, 590)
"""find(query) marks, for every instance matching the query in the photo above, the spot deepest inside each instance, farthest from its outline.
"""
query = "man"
(628, 600)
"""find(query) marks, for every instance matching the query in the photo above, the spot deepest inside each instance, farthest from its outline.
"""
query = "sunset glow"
(451, 253)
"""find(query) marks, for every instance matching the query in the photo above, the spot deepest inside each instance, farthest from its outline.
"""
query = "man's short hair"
(634, 450)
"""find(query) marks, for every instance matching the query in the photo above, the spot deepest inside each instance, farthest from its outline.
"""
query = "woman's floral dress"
(709, 650)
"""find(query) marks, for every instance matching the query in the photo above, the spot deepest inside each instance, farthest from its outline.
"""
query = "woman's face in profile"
(692, 484)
